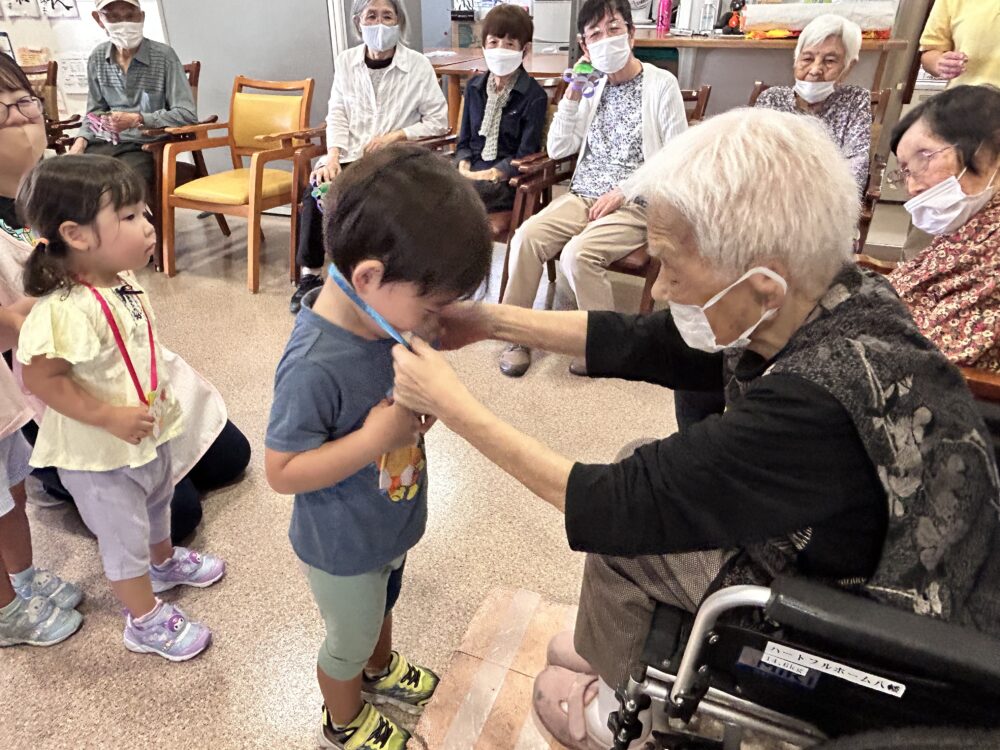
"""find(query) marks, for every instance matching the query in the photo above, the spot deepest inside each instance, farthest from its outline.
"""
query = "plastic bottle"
(663, 17)
(709, 14)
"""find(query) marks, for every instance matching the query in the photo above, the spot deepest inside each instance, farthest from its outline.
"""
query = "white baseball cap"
(102, 4)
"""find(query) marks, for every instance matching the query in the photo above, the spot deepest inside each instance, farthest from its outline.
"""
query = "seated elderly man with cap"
(135, 84)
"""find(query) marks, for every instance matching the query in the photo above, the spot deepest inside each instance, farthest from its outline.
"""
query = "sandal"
(559, 700)
(562, 653)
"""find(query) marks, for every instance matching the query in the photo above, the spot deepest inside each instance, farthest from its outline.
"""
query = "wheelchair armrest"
(863, 625)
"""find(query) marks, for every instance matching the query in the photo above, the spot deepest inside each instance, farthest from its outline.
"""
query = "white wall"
(69, 41)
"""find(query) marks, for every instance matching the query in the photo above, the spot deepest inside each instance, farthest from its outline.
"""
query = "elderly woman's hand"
(381, 141)
(325, 172)
(463, 323)
(607, 204)
(425, 382)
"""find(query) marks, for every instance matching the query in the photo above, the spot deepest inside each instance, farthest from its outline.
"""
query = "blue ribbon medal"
(347, 289)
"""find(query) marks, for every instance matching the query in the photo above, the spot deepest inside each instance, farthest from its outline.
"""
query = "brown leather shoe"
(515, 361)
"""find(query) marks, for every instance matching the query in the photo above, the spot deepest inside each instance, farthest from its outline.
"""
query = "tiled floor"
(255, 688)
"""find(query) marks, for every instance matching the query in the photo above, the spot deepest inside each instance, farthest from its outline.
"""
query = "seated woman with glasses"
(827, 50)
(948, 150)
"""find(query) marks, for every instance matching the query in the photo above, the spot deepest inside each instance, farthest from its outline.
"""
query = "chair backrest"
(759, 87)
(880, 106)
(700, 98)
(43, 79)
(285, 109)
(193, 72)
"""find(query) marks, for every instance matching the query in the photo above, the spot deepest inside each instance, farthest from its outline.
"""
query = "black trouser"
(130, 153)
(310, 251)
(691, 407)
(496, 196)
(223, 462)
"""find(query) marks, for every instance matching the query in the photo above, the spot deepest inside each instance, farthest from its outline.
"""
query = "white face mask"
(379, 38)
(693, 325)
(815, 91)
(502, 62)
(611, 54)
(125, 35)
(945, 207)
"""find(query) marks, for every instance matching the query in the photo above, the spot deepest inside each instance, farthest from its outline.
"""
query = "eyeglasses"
(918, 165)
(30, 107)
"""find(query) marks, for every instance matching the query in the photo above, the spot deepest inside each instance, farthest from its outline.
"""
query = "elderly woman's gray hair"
(823, 27)
(758, 185)
(359, 7)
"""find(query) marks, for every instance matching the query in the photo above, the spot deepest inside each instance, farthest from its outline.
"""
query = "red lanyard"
(153, 380)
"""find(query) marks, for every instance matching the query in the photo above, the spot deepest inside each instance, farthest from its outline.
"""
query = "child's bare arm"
(388, 426)
(49, 379)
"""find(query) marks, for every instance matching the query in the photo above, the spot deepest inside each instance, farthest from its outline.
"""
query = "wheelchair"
(815, 667)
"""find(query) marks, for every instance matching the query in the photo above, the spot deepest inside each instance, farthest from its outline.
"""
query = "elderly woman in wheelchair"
(836, 530)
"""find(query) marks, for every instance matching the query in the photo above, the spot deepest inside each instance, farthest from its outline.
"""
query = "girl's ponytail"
(47, 269)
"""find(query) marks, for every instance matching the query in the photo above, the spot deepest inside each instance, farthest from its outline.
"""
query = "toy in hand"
(319, 192)
(583, 78)
(100, 126)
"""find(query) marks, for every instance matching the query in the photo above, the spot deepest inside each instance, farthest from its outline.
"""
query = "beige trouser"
(587, 249)
(619, 595)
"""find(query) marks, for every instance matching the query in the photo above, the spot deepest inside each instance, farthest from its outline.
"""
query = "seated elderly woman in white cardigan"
(383, 93)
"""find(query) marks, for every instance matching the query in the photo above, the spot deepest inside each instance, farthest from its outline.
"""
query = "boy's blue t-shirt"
(327, 381)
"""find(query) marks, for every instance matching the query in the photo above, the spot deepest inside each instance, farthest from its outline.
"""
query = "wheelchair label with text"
(799, 662)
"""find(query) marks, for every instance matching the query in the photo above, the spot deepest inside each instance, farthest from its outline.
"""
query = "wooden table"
(467, 62)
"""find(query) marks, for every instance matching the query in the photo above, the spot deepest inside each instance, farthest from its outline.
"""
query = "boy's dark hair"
(593, 11)
(12, 78)
(968, 117)
(510, 21)
(69, 188)
(411, 210)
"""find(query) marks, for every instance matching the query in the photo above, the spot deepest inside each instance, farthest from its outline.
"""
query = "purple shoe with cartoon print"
(167, 632)
(186, 568)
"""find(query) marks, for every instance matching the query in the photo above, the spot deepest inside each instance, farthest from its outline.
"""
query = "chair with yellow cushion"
(241, 191)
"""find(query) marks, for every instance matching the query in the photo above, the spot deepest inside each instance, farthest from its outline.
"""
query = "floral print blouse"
(847, 115)
(953, 290)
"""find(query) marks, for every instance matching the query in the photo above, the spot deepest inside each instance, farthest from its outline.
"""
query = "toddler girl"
(90, 353)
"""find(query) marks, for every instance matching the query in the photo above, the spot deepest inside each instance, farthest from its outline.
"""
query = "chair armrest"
(543, 173)
(199, 129)
(161, 132)
(858, 624)
(287, 138)
(877, 265)
(68, 124)
(436, 143)
(984, 385)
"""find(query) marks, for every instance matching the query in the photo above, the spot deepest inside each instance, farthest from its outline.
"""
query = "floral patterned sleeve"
(855, 125)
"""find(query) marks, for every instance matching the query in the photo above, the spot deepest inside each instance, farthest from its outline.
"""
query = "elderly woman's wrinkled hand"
(607, 204)
(463, 323)
(425, 382)
(325, 173)
(381, 141)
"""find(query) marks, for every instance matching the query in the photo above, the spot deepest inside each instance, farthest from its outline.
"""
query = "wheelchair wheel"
(918, 738)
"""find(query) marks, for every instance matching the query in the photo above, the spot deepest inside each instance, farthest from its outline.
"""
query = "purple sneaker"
(168, 632)
(187, 568)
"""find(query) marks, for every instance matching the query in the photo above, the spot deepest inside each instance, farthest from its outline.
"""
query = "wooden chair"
(876, 166)
(241, 191)
(539, 174)
(44, 80)
(984, 385)
(185, 172)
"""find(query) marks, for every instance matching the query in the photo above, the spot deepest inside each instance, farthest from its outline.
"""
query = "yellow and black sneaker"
(405, 685)
(370, 730)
